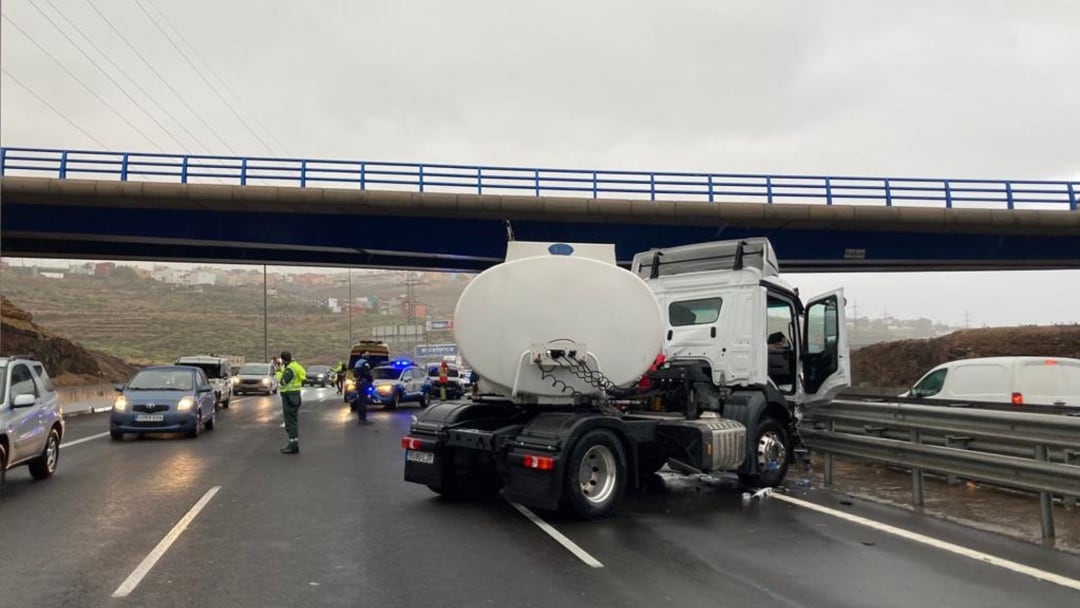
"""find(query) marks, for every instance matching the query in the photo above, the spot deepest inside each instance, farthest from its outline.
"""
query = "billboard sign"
(444, 325)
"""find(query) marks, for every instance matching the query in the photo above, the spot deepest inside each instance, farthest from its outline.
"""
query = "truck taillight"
(1018, 399)
(542, 463)
(410, 443)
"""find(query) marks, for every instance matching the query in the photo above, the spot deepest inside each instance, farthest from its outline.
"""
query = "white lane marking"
(144, 567)
(1035, 573)
(68, 444)
(558, 536)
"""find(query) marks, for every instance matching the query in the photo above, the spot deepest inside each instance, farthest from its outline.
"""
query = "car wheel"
(116, 435)
(194, 432)
(44, 465)
(3, 466)
(209, 424)
(770, 454)
(395, 402)
(423, 400)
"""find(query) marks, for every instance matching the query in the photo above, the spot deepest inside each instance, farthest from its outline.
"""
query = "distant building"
(103, 269)
(199, 277)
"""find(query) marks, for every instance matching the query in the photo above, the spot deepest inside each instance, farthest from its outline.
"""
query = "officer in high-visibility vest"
(290, 380)
(339, 375)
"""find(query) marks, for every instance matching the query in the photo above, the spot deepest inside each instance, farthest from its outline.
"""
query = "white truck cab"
(726, 305)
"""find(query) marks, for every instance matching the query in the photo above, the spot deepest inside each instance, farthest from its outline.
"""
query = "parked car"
(217, 370)
(455, 386)
(255, 378)
(1017, 380)
(398, 382)
(31, 423)
(319, 375)
(165, 399)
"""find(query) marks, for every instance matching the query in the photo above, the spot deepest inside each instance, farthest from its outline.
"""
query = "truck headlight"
(185, 404)
(121, 404)
(234, 380)
(266, 381)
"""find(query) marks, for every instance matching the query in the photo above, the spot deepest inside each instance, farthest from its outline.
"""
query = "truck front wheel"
(595, 475)
(769, 455)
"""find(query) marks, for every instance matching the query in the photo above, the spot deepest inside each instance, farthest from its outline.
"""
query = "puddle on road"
(1002, 511)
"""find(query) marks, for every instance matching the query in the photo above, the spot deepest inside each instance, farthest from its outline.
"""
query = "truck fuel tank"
(711, 444)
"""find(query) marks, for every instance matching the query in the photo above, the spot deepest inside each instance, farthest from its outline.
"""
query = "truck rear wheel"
(595, 475)
(770, 454)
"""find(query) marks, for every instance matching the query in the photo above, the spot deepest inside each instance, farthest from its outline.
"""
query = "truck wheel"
(595, 475)
(770, 455)
(44, 465)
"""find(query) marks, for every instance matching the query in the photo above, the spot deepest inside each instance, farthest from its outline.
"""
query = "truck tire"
(44, 465)
(770, 455)
(596, 475)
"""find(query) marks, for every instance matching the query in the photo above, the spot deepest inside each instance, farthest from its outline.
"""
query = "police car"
(399, 381)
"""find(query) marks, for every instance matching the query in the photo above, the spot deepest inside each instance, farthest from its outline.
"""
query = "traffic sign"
(436, 351)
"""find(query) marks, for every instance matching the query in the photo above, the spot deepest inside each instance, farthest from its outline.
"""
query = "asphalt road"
(336, 526)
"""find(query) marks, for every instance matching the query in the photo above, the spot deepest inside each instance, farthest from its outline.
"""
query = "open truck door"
(826, 361)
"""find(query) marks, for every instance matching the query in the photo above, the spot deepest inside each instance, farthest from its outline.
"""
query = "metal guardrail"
(592, 183)
(1008, 449)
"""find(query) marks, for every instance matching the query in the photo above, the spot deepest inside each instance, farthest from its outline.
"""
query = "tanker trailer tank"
(555, 324)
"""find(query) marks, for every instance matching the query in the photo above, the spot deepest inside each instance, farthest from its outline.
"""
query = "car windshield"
(3, 382)
(318, 369)
(451, 373)
(162, 380)
(255, 369)
(385, 373)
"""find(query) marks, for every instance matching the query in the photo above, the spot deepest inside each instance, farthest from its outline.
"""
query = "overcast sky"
(956, 89)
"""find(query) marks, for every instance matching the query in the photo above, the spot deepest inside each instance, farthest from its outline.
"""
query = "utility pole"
(349, 345)
(410, 311)
(266, 323)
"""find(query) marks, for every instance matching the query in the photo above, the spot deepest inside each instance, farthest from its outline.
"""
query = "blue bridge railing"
(589, 183)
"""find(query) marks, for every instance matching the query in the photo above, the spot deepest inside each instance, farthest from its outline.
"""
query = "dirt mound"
(67, 363)
(900, 364)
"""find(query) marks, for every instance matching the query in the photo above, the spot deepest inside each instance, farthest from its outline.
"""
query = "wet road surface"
(336, 526)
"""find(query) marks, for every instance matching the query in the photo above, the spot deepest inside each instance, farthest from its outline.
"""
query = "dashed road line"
(1035, 573)
(68, 444)
(148, 562)
(568, 544)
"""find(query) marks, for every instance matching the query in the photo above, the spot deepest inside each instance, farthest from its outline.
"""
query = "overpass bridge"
(124, 205)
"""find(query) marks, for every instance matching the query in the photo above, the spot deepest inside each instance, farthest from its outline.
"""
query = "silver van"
(31, 423)
(1016, 380)
(217, 370)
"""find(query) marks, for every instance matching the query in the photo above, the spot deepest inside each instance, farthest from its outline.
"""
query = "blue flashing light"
(399, 363)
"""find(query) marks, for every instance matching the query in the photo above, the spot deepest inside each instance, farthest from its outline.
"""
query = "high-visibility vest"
(296, 382)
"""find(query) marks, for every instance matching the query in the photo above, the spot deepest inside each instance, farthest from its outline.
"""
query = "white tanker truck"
(593, 377)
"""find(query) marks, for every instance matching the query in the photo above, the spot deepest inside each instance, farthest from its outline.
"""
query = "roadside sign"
(436, 351)
(440, 325)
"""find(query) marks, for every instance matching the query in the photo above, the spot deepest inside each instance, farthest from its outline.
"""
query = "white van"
(1017, 380)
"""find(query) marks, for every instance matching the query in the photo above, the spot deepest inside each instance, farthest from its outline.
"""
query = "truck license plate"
(421, 457)
(149, 417)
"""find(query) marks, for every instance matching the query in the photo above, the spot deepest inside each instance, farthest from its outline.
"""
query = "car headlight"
(121, 404)
(384, 389)
(266, 381)
(234, 380)
(185, 404)
(350, 383)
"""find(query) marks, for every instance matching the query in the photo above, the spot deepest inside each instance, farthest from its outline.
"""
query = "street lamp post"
(266, 323)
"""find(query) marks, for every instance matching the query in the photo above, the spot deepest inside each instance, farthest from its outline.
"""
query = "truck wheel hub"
(771, 453)
(596, 474)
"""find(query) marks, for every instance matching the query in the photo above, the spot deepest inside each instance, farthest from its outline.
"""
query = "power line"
(222, 81)
(202, 76)
(107, 75)
(53, 108)
(133, 81)
(161, 78)
(79, 80)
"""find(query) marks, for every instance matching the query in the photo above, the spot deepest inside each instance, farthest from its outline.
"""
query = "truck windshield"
(212, 370)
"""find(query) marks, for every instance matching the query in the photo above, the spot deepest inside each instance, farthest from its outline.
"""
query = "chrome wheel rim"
(596, 474)
(52, 451)
(771, 453)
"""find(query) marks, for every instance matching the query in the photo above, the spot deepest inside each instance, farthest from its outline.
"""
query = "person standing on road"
(444, 379)
(290, 380)
(364, 380)
(339, 375)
